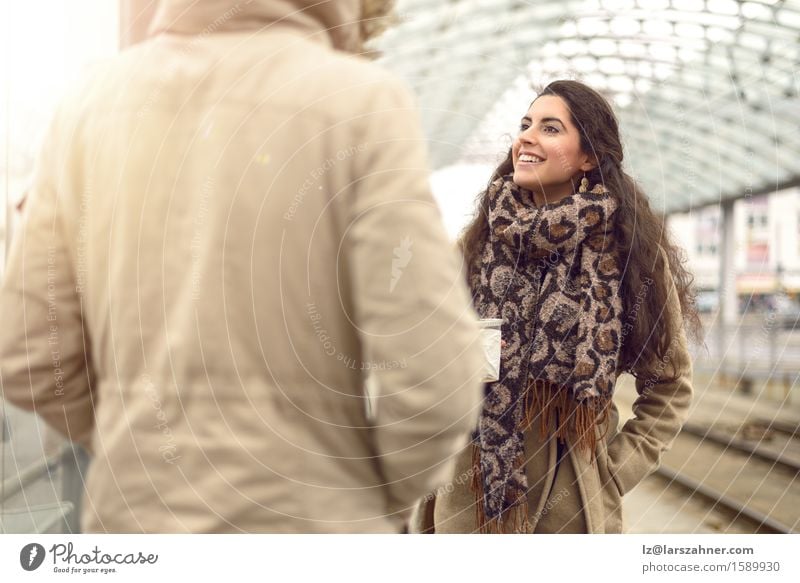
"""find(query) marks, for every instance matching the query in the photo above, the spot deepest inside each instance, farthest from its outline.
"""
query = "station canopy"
(706, 91)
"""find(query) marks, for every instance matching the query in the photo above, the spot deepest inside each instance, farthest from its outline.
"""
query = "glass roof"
(706, 90)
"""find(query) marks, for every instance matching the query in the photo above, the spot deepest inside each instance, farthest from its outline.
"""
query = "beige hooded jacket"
(230, 226)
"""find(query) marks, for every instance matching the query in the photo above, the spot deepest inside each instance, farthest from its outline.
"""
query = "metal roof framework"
(706, 91)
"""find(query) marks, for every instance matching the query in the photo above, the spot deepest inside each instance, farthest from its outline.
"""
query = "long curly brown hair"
(641, 232)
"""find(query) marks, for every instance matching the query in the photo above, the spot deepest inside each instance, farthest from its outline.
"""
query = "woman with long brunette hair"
(566, 250)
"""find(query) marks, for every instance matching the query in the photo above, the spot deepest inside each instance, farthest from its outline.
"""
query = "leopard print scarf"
(552, 273)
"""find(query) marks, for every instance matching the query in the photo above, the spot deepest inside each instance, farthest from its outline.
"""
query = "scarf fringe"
(561, 416)
(512, 521)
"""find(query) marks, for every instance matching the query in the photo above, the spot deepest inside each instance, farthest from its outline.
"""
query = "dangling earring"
(584, 187)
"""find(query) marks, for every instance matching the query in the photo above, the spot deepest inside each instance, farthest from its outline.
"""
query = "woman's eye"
(550, 129)
(524, 126)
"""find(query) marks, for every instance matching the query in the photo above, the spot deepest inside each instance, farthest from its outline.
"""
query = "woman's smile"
(529, 159)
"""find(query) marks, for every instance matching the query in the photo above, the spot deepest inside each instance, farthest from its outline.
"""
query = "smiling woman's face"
(547, 152)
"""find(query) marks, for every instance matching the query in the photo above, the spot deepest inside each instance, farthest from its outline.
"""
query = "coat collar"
(334, 22)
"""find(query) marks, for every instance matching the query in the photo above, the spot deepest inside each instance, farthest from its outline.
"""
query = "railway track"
(783, 427)
(757, 480)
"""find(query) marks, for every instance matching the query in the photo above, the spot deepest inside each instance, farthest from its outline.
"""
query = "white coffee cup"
(491, 339)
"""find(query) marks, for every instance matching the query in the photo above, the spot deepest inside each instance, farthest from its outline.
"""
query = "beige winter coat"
(230, 225)
(579, 495)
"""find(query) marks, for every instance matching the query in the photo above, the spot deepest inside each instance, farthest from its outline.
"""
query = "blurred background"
(706, 92)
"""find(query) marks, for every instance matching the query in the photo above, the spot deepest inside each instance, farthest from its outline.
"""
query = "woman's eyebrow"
(544, 119)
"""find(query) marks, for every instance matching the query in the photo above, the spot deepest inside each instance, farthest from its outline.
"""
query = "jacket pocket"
(609, 491)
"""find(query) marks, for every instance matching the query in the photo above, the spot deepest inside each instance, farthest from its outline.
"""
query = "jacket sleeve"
(411, 304)
(659, 411)
(43, 360)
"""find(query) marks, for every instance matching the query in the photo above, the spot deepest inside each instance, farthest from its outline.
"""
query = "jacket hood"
(345, 24)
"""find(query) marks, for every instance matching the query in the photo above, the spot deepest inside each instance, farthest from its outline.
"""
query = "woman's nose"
(528, 136)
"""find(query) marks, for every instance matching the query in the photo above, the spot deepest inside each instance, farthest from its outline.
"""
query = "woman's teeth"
(530, 158)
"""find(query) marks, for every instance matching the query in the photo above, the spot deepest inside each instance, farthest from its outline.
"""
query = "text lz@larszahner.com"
(64, 554)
